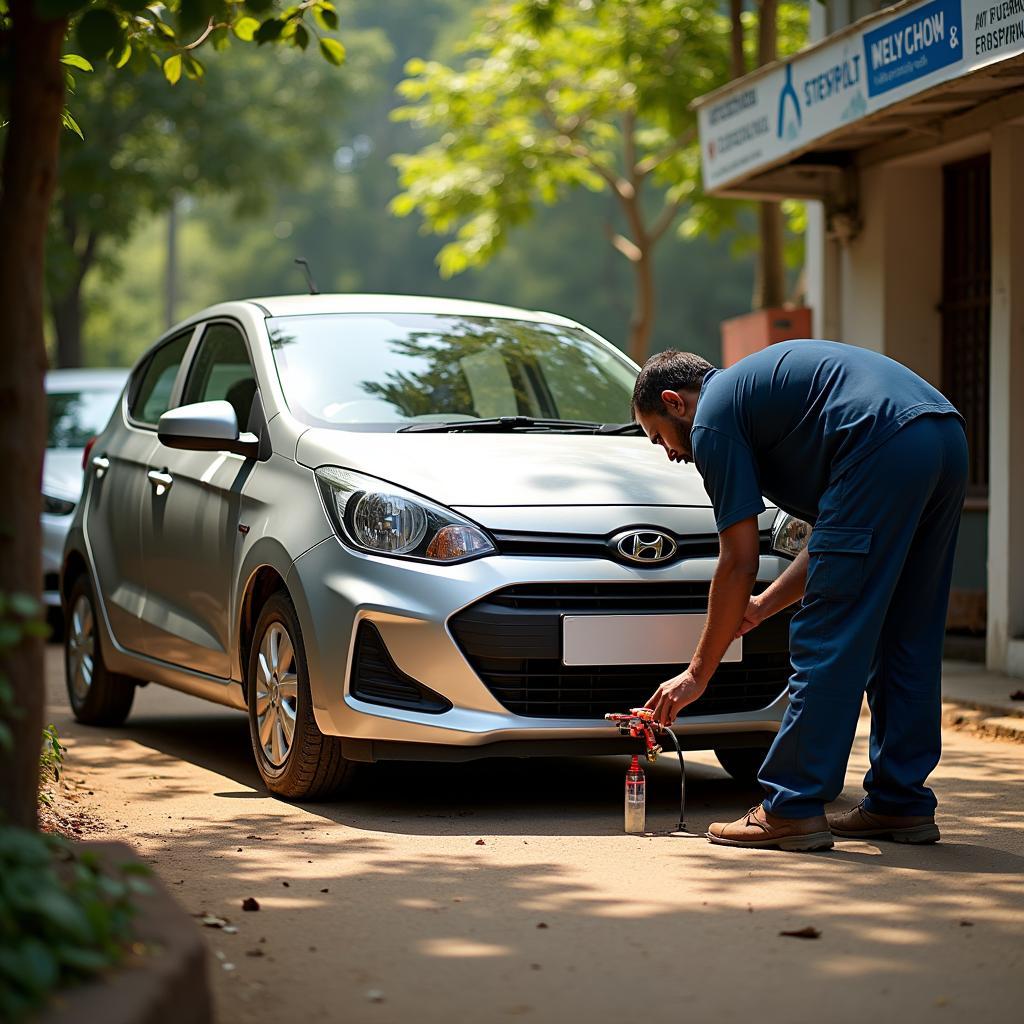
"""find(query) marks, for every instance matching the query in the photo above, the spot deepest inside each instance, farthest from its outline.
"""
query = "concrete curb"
(985, 721)
(165, 984)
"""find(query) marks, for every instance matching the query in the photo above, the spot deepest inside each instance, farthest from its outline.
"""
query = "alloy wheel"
(81, 644)
(277, 691)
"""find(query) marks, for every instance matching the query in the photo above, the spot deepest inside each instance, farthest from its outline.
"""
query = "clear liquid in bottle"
(636, 798)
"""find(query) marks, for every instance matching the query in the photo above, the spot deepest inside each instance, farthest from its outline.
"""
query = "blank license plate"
(634, 640)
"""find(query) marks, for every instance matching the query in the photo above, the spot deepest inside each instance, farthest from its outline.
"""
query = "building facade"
(903, 129)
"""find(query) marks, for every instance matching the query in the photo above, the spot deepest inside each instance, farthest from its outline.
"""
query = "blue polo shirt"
(786, 421)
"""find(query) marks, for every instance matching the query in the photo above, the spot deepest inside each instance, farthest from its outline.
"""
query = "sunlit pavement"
(387, 907)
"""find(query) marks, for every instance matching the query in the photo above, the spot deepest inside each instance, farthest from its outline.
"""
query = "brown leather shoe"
(860, 823)
(759, 829)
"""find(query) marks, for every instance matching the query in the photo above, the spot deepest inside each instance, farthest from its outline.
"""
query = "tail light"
(87, 452)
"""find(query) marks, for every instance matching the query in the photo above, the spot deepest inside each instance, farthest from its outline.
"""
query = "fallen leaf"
(542, 925)
(325, 890)
(250, 904)
(803, 933)
(480, 842)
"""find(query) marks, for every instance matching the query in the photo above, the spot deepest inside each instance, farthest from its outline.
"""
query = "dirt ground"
(501, 890)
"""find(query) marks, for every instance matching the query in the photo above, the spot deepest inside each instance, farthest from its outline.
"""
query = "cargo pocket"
(838, 561)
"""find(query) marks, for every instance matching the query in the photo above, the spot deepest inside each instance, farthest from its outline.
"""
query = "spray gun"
(639, 723)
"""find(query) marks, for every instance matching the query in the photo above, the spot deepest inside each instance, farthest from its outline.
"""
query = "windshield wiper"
(500, 424)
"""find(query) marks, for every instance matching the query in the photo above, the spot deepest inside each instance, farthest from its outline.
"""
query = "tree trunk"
(770, 272)
(641, 323)
(28, 178)
(738, 61)
(66, 310)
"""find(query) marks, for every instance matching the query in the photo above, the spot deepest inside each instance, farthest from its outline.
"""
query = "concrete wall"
(891, 273)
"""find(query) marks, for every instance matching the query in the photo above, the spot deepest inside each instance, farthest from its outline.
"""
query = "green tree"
(557, 97)
(246, 127)
(34, 73)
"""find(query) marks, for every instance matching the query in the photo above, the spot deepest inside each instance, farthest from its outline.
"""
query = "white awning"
(916, 70)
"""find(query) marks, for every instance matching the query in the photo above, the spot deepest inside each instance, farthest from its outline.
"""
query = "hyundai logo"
(644, 547)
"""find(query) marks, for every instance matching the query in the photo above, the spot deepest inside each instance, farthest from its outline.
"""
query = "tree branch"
(628, 249)
(664, 221)
(655, 160)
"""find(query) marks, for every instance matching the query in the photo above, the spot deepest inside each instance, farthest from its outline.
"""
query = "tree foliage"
(596, 94)
(249, 124)
(552, 97)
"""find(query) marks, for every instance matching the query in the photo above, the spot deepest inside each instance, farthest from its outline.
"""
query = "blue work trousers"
(873, 617)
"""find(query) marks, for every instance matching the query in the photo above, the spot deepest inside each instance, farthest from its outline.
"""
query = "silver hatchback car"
(401, 528)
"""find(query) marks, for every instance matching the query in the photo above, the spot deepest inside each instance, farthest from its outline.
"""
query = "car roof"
(86, 379)
(311, 305)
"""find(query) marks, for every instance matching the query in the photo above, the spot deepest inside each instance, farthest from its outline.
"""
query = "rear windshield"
(76, 416)
(352, 369)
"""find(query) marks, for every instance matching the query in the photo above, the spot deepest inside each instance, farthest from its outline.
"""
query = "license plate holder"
(646, 639)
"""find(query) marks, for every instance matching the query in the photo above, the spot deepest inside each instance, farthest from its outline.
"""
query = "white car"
(398, 527)
(79, 404)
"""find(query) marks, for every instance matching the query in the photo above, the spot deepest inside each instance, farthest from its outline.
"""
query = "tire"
(97, 695)
(309, 766)
(742, 763)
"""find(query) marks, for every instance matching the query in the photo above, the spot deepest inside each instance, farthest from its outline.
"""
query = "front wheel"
(98, 696)
(295, 759)
(742, 763)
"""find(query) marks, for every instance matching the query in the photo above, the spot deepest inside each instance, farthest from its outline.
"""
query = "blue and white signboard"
(878, 62)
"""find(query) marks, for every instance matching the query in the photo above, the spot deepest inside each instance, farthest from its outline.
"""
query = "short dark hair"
(667, 371)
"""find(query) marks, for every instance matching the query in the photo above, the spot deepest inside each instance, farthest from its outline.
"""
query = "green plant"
(51, 763)
(63, 918)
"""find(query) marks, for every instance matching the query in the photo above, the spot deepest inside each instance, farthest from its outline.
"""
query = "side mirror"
(206, 427)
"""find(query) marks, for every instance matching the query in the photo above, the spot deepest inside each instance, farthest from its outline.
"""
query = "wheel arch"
(263, 581)
(74, 566)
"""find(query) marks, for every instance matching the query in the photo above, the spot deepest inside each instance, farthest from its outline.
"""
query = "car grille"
(583, 545)
(513, 640)
(378, 680)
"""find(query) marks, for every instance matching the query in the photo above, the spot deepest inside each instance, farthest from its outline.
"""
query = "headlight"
(57, 506)
(378, 517)
(789, 534)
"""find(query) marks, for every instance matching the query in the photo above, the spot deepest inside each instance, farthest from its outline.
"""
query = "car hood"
(512, 469)
(62, 473)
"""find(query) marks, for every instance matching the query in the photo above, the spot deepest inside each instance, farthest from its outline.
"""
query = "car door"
(118, 485)
(191, 517)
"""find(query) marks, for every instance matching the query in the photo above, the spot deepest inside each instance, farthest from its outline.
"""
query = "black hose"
(682, 781)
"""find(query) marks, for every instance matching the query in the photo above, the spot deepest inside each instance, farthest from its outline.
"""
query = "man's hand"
(673, 695)
(752, 617)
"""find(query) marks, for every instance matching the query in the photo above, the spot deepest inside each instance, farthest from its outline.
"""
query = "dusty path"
(387, 908)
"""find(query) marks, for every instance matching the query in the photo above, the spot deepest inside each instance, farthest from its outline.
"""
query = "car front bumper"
(412, 604)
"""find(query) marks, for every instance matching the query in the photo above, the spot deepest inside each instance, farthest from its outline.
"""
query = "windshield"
(344, 370)
(76, 416)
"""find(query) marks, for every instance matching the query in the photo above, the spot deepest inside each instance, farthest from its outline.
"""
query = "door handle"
(161, 481)
(101, 464)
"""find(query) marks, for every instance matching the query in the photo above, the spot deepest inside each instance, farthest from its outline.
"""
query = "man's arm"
(789, 587)
(730, 595)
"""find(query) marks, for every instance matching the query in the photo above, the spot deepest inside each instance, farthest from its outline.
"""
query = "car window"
(76, 416)
(221, 371)
(342, 370)
(152, 396)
